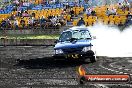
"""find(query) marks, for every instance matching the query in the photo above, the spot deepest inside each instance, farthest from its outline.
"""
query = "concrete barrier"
(23, 42)
(30, 31)
(34, 31)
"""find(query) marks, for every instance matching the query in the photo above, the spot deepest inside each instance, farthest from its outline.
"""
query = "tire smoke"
(112, 42)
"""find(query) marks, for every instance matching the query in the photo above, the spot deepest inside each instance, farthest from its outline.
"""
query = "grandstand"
(40, 14)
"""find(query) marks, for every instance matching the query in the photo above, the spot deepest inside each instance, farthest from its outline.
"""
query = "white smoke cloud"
(111, 42)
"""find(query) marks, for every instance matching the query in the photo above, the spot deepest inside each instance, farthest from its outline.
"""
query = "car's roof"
(76, 28)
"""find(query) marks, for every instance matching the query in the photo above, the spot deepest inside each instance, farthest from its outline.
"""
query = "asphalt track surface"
(34, 67)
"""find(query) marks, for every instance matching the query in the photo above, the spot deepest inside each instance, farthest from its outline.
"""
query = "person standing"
(16, 24)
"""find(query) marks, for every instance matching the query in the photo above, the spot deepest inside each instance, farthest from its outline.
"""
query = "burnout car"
(75, 43)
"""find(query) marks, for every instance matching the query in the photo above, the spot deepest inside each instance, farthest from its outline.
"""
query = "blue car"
(75, 43)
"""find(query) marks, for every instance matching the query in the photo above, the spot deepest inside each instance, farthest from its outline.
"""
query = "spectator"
(33, 21)
(50, 17)
(120, 6)
(33, 14)
(42, 21)
(81, 22)
(128, 6)
(67, 6)
(19, 14)
(48, 23)
(61, 20)
(22, 23)
(88, 12)
(3, 24)
(72, 13)
(16, 2)
(8, 24)
(25, 14)
(129, 19)
(15, 8)
(12, 17)
(16, 24)
(63, 12)
(53, 20)
(30, 22)
(108, 12)
(113, 11)
(21, 3)
(58, 24)
(93, 13)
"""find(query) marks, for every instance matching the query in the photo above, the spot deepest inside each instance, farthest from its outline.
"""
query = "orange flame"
(81, 71)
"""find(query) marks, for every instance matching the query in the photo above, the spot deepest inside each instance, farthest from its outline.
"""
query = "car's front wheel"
(93, 59)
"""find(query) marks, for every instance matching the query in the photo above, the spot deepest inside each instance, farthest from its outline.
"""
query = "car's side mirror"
(56, 41)
(93, 37)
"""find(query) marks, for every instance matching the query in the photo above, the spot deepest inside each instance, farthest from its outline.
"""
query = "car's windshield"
(76, 34)
(81, 34)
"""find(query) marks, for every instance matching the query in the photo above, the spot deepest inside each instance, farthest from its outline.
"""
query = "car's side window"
(75, 34)
(65, 36)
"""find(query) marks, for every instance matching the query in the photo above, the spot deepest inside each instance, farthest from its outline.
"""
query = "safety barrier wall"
(25, 42)
(29, 31)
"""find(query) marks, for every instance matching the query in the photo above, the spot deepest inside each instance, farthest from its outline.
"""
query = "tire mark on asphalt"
(112, 65)
(106, 85)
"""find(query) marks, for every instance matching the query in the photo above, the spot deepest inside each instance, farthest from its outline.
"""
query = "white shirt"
(16, 22)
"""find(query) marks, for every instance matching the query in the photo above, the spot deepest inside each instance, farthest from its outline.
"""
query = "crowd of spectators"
(21, 18)
(111, 11)
(49, 22)
(120, 13)
(34, 20)
(125, 6)
(52, 21)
